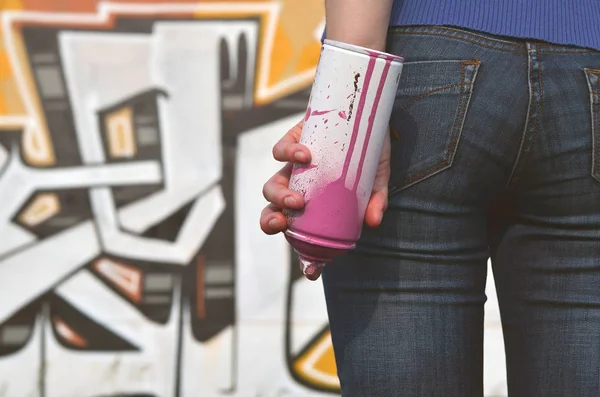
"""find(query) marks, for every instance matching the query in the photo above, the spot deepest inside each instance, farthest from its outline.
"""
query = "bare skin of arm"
(358, 22)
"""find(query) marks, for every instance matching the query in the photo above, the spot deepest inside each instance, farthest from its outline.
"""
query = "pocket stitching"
(597, 176)
(595, 115)
(417, 99)
(464, 100)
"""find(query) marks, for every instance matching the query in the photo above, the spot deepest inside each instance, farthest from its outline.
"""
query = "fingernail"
(300, 156)
(273, 223)
(289, 201)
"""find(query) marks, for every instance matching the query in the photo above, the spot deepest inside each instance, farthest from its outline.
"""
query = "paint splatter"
(351, 108)
(320, 112)
(307, 116)
(303, 168)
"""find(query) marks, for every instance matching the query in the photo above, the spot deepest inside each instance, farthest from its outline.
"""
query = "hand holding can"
(344, 128)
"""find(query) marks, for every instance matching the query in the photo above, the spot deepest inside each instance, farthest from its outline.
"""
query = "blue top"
(574, 22)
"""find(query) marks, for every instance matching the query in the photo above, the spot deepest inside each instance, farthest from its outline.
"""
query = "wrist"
(373, 42)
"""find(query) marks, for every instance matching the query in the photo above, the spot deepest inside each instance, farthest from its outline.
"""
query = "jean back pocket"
(427, 120)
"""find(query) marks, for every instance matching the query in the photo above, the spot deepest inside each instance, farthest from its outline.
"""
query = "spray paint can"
(345, 125)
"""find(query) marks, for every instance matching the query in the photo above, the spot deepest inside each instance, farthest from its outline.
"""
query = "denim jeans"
(495, 154)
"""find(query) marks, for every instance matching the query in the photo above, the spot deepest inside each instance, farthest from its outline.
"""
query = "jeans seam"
(416, 99)
(570, 52)
(494, 43)
(528, 137)
(457, 130)
(464, 39)
(595, 103)
(475, 35)
(558, 49)
(597, 128)
(595, 120)
(540, 110)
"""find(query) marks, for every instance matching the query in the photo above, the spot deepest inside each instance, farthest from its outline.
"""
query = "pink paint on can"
(336, 193)
(320, 112)
(303, 168)
(307, 116)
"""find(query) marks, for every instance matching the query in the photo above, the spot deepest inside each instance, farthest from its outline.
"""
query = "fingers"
(288, 148)
(276, 190)
(272, 220)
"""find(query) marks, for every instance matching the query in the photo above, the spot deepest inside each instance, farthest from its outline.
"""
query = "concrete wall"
(134, 141)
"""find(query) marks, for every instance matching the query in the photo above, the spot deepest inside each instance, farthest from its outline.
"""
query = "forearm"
(360, 22)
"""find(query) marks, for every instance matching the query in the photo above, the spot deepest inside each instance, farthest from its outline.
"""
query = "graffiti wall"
(134, 140)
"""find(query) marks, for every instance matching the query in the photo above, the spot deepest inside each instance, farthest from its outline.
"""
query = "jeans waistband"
(501, 43)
